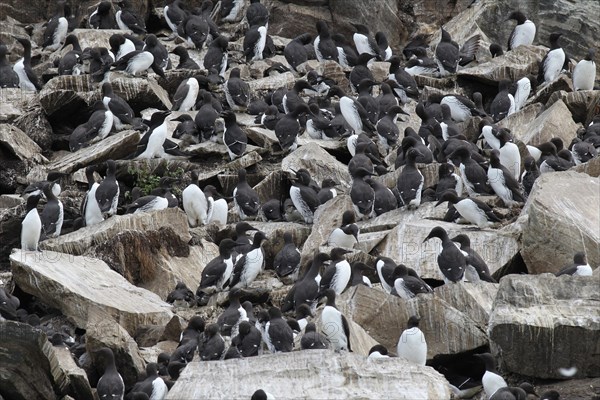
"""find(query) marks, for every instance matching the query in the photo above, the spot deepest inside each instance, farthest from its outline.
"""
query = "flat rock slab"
(84, 286)
(543, 323)
(78, 242)
(115, 146)
(561, 218)
(555, 121)
(19, 144)
(315, 374)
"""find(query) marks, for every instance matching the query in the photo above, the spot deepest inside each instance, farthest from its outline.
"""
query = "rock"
(429, 172)
(519, 121)
(66, 94)
(446, 329)
(14, 102)
(360, 340)
(34, 123)
(116, 146)
(592, 167)
(473, 299)
(582, 103)
(555, 227)
(78, 380)
(286, 79)
(139, 92)
(103, 331)
(544, 93)
(291, 20)
(27, 356)
(555, 121)
(10, 200)
(327, 217)
(10, 225)
(81, 287)
(512, 65)
(559, 314)
(315, 374)
(405, 244)
(20, 145)
(319, 163)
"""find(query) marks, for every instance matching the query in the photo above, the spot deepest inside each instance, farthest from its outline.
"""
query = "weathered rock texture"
(542, 323)
(86, 286)
(318, 374)
(561, 218)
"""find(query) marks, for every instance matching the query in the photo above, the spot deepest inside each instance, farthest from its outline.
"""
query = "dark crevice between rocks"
(516, 265)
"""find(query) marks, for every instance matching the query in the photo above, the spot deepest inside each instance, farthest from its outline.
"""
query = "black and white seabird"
(122, 112)
(306, 290)
(357, 274)
(325, 47)
(255, 41)
(361, 72)
(287, 260)
(562, 161)
(448, 179)
(447, 54)
(523, 33)
(182, 296)
(347, 56)
(337, 274)
(530, 174)
(312, 339)
(237, 92)
(153, 385)
(509, 154)
(353, 112)
(288, 128)
(27, 78)
(257, 14)
(218, 271)
(582, 151)
(364, 42)
(407, 286)
(362, 195)
(194, 203)
(461, 107)
(404, 79)
(328, 190)
(337, 329)
(346, 235)
(110, 385)
(412, 345)
(503, 181)
(159, 51)
(385, 50)
(71, 62)
(174, 14)
(504, 103)
(129, 19)
(473, 210)
(295, 51)
(553, 61)
(185, 61)
(95, 129)
(291, 99)
(31, 227)
(56, 28)
(216, 56)
(516, 392)
(52, 215)
(385, 200)
(217, 208)
(279, 335)
(36, 188)
(491, 380)
(234, 137)
(102, 17)
(213, 345)
(410, 181)
(151, 145)
(305, 199)
(385, 267)
(496, 50)
(122, 44)
(474, 260)
(248, 340)
(584, 74)
(245, 198)
(90, 209)
(194, 28)
(233, 315)
(473, 175)
(451, 260)
(580, 266)
(8, 77)
(249, 265)
(387, 98)
(206, 117)
(411, 140)
(185, 95)
(272, 210)
(151, 202)
(137, 62)
(107, 193)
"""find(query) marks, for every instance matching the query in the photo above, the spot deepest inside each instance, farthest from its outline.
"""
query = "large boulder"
(447, 329)
(82, 286)
(541, 324)
(559, 219)
(320, 374)
(29, 368)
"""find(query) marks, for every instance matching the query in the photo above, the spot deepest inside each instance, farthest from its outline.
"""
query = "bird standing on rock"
(451, 260)
(411, 344)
